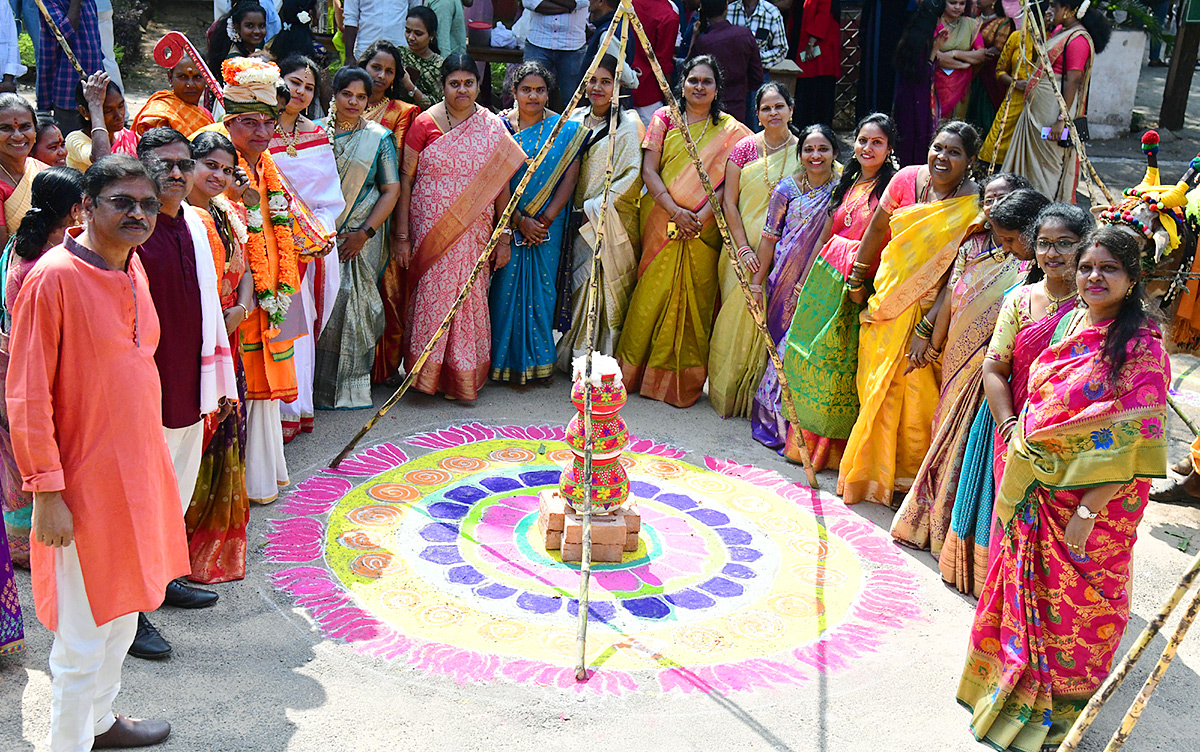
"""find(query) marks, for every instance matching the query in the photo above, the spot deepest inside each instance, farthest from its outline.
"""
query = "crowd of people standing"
(960, 342)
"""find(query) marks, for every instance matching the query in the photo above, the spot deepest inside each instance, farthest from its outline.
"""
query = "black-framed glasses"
(1062, 247)
(126, 204)
(185, 165)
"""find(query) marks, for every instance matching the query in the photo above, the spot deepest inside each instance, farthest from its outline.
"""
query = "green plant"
(1137, 16)
(28, 54)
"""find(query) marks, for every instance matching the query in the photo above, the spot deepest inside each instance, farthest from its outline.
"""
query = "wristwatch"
(1085, 513)
(367, 229)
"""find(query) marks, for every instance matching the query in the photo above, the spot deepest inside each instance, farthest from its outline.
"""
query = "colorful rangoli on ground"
(743, 580)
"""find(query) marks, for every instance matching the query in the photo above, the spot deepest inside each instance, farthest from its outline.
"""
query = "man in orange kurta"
(86, 418)
(178, 107)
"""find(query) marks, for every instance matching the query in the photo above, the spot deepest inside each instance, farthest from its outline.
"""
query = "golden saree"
(892, 433)
(664, 347)
(737, 356)
(977, 290)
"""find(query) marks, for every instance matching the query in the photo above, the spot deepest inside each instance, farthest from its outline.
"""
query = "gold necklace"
(848, 218)
(766, 176)
(768, 149)
(350, 142)
(15, 181)
(289, 142)
(707, 120)
(1053, 303)
(374, 110)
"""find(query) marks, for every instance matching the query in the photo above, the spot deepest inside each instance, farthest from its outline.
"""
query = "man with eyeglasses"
(86, 421)
(195, 365)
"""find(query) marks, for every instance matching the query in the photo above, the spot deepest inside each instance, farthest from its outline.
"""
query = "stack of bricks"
(612, 534)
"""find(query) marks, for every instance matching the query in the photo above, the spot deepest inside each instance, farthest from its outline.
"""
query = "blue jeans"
(566, 65)
(1160, 9)
(28, 17)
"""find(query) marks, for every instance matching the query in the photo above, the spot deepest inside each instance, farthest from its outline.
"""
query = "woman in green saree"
(366, 160)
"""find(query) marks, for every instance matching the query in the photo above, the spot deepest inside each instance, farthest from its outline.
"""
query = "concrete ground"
(253, 673)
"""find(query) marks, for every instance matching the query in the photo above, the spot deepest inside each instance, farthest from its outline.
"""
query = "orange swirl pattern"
(431, 476)
(661, 469)
(400, 599)
(796, 605)
(756, 625)
(513, 455)
(815, 574)
(811, 547)
(702, 639)
(393, 492)
(502, 630)
(461, 464)
(373, 564)
(375, 515)
(359, 540)
(441, 616)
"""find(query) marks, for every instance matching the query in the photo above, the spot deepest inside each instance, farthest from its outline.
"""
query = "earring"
(1129, 292)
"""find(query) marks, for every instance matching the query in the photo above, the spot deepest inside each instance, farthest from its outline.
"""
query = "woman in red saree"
(1075, 486)
(458, 158)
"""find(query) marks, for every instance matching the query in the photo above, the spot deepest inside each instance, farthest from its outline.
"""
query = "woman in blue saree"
(525, 293)
(366, 161)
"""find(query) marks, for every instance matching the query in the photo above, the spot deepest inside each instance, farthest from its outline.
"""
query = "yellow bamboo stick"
(752, 305)
(590, 325)
(1122, 669)
(484, 258)
(61, 39)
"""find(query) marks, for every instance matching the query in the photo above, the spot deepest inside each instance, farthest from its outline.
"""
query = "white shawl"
(217, 378)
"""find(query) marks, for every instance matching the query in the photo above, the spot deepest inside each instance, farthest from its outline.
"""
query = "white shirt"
(10, 53)
(377, 19)
(564, 31)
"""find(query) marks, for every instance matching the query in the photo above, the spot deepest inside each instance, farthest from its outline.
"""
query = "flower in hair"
(231, 31)
(303, 17)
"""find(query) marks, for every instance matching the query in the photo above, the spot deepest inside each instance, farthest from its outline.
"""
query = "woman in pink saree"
(1085, 446)
(458, 158)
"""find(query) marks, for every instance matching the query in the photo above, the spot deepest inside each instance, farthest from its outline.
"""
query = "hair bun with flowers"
(250, 86)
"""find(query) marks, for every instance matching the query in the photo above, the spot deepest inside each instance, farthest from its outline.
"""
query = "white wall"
(1114, 84)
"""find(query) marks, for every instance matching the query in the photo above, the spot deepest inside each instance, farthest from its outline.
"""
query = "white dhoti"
(318, 290)
(186, 446)
(85, 661)
(266, 467)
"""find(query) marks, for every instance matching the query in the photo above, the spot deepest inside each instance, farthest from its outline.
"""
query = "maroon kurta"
(84, 408)
(170, 263)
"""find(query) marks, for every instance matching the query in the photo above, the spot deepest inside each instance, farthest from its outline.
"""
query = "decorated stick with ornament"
(169, 52)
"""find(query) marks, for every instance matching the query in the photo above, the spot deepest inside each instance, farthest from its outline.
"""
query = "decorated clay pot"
(609, 436)
(610, 485)
(608, 396)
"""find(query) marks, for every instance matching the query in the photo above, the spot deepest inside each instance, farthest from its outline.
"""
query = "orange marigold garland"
(274, 293)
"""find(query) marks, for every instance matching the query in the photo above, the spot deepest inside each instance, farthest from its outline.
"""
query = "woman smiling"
(18, 131)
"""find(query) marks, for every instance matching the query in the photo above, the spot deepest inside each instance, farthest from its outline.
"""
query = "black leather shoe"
(148, 643)
(180, 595)
(127, 733)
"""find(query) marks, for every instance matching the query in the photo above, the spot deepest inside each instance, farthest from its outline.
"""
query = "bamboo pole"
(61, 39)
(756, 313)
(484, 258)
(1121, 735)
(590, 327)
(1122, 669)
(1183, 416)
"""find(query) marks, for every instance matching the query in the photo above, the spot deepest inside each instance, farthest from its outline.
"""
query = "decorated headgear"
(250, 86)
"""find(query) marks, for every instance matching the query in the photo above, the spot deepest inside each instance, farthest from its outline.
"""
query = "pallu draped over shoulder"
(664, 347)
(524, 291)
(820, 351)
(366, 161)
(1049, 622)
(456, 179)
(982, 275)
(893, 430)
(737, 356)
(622, 234)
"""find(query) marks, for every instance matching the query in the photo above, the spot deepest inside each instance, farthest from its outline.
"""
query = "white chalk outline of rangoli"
(885, 602)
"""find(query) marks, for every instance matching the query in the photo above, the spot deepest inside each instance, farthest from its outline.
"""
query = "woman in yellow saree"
(737, 354)
(664, 347)
(929, 210)
(1013, 70)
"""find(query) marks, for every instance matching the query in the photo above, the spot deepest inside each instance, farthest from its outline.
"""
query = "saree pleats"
(964, 558)
(737, 357)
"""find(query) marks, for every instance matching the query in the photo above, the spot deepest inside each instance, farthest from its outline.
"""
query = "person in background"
(600, 17)
(986, 91)
(960, 50)
(10, 51)
(622, 233)
(57, 195)
(178, 107)
(1016, 64)
(880, 27)
(385, 106)
(194, 361)
(50, 147)
(365, 154)
(17, 167)
(1161, 9)
(736, 51)
(274, 25)
(451, 25)
(104, 19)
(295, 38)
(56, 76)
(1086, 446)
(737, 354)
(241, 33)
(101, 110)
(28, 19)
(421, 60)
(557, 37)
(664, 345)
(303, 153)
(458, 159)
(105, 506)
(765, 22)
(819, 55)
(524, 299)
(661, 21)
(369, 21)
(913, 105)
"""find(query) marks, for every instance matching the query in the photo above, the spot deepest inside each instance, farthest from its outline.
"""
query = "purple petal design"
(315, 495)
(295, 540)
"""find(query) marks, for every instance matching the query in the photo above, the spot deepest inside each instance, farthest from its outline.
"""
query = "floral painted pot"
(608, 396)
(609, 435)
(610, 486)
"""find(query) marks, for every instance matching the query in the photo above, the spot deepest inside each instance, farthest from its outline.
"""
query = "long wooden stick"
(590, 326)
(1183, 416)
(756, 313)
(61, 39)
(1122, 669)
(484, 258)
(1121, 735)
